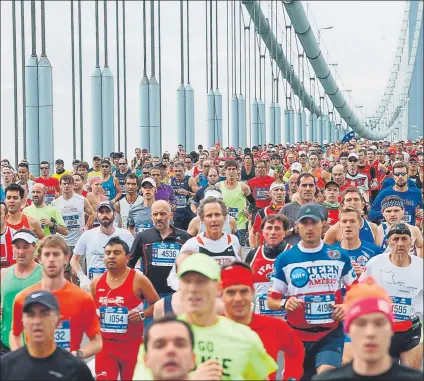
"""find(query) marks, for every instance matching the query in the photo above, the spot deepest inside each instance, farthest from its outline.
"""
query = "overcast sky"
(362, 42)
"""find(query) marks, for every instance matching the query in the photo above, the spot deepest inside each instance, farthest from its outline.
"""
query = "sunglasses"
(352, 160)
(105, 166)
(400, 174)
(146, 173)
(43, 168)
(122, 163)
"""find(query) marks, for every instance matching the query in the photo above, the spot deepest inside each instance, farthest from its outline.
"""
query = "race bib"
(164, 254)
(48, 198)
(265, 310)
(72, 221)
(181, 201)
(401, 308)
(262, 194)
(233, 212)
(142, 227)
(94, 272)
(62, 335)
(407, 218)
(113, 319)
(318, 309)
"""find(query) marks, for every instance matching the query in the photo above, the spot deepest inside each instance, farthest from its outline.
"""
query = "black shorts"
(3, 349)
(405, 341)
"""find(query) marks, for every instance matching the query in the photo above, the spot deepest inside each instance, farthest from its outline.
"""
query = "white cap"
(150, 181)
(213, 193)
(277, 185)
(353, 154)
(29, 238)
(302, 153)
(296, 167)
(325, 142)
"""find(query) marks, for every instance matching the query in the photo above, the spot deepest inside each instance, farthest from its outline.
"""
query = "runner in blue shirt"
(307, 282)
(412, 197)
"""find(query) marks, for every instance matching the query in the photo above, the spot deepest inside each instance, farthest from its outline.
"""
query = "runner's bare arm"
(118, 190)
(159, 309)
(146, 291)
(91, 216)
(93, 287)
(35, 227)
(374, 229)
(193, 185)
(418, 241)
(194, 226)
(246, 189)
(15, 341)
(233, 225)
(332, 234)
(92, 347)
(75, 263)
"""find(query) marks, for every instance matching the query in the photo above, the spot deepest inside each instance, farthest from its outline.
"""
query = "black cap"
(59, 161)
(76, 161)
(97, 157)
(344, 154)
(107, 204)
(44, 298)
(314, 211)
(331, 182)
(399, 229)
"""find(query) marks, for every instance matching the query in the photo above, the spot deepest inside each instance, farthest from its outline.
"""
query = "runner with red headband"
(276, 334)
(370, 324)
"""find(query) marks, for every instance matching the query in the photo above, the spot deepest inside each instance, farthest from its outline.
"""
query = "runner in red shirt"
(275, 333)
(331, 203)
(260, 185)
(6, 236)
(277, 192)
(51, 184)
(117, 294)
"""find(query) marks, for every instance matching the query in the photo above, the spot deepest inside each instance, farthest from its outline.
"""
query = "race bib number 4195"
(318, 308)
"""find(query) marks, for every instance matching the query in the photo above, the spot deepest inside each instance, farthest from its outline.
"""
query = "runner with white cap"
(140, 216)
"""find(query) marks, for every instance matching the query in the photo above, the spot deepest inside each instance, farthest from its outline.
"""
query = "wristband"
(283, 303)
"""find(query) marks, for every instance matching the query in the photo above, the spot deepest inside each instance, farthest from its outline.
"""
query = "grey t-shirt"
(140, 218)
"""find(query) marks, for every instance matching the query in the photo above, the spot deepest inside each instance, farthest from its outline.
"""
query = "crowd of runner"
(296, 261)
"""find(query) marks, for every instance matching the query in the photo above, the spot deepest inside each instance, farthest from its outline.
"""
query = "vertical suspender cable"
(160, 74)
(182, 43)
(232, 50)
(80, 80)
(188, 43)
(152, 39)
(124, 53)
(33, 31)
(228, 77)
(105, 31)
(23, 79)
(211, 42)
(216, 41)
(240, 29)
(189, 93)
(206, 46)
(117, 77)
(43, 29)
(97, 32)
(235, 47)
(74, 132)
(15, 84)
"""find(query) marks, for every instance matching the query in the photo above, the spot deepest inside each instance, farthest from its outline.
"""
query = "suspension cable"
(216, 41)
(228, 75)
(118, 87)
(74, 132)
(254, 54)
(152, 38)
(97, 32)
(43, 29)
(80, 81)
(23, 77)
(232, 50)
(206, 46)
(15, 84)
(105, 31)
(33, 31)
(240, 71)
(188, 43)
(160, 76)
(144, 40)
(181, 42)
(124, 54)
(211, 42)
(235, 47)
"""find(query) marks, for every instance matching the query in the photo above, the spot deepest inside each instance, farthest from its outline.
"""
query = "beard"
(400, 185)
(106, 222)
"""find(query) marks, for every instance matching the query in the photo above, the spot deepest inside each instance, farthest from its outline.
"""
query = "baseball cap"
(302, 153)
(59, 161)
(353, 155)
(344, 154)
(380, 151)
(107, 204)
(150, 181)
(296, 167)
(313, 211)
(202, 264)
(24, 235)
(76, 161)
(97, 157)
(277, 185)
(45, 298)
(213, 193)
(413, 157)
(331, 182)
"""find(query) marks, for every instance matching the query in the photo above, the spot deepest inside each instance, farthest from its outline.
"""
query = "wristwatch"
(283, 303)
(141, 315)
(79, 354)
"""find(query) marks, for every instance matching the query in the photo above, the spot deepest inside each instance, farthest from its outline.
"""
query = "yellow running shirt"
(238, 349)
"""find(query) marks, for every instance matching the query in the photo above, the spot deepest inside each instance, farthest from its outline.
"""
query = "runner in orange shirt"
(77, 309)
